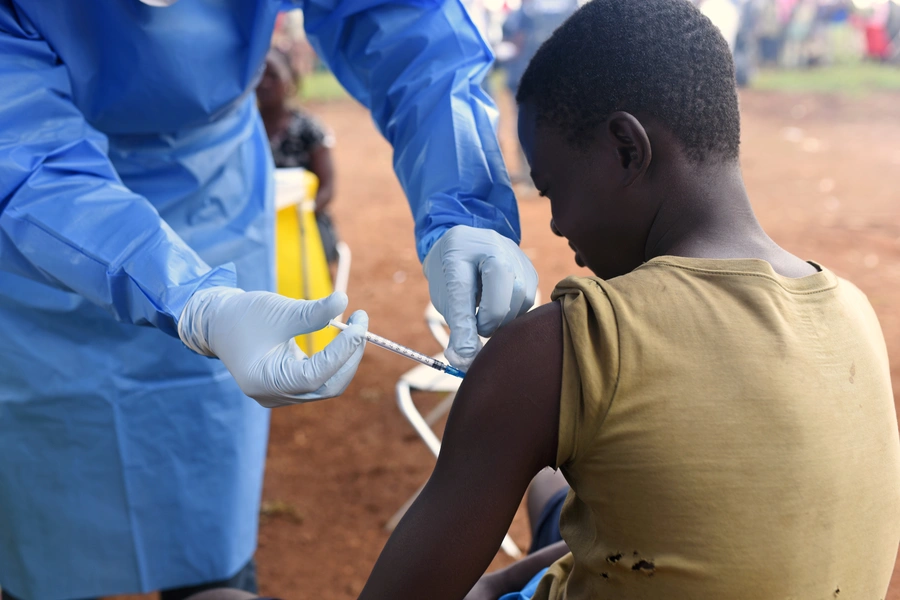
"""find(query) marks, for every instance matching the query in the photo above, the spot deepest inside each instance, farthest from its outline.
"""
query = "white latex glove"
(252, 333)
(467, 263)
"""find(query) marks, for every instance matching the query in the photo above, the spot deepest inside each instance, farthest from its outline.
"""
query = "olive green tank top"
(728, 433)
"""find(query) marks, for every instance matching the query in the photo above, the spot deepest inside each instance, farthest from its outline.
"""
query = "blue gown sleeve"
(418, 65)
(66, 219)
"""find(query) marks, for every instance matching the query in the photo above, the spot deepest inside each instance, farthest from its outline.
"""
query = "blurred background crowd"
(776, 33)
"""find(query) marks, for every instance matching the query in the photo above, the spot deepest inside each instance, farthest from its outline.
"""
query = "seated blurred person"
(298, 139)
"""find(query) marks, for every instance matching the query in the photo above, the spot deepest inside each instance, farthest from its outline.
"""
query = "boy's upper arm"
(502, 430)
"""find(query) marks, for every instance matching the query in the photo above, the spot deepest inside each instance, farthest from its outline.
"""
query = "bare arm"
(322, 166)
(502, 430)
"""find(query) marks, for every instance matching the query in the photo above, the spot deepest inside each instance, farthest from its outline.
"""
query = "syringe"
(404, 351)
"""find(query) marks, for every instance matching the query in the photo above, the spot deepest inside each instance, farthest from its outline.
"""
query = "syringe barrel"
(401, 350)
(395, 347)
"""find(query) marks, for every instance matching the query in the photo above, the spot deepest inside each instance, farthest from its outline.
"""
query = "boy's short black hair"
(661, 57)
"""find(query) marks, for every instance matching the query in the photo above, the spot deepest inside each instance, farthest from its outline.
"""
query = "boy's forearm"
(516, 576)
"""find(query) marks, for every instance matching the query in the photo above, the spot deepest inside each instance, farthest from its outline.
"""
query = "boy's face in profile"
(603, 217)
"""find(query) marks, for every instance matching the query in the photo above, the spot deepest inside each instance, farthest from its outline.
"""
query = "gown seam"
(134, 529)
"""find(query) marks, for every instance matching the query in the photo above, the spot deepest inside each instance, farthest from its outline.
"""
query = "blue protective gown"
(134, 170)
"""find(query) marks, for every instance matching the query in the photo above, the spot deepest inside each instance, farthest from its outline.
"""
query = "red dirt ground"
(824, 176)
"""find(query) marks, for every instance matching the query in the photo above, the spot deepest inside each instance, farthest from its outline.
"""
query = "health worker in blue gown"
(136, 240)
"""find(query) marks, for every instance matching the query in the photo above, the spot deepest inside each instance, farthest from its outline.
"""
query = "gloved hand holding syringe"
(404, 351)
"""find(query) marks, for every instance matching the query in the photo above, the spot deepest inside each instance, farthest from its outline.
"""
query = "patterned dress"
(294, 148)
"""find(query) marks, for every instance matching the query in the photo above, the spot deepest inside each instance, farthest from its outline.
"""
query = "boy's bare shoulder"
(512, 390)
(522, 354)
(534, 331)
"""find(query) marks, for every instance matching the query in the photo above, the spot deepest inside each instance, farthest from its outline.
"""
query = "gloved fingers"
(339, 382)
(359, 317)
(519, 304)
(498, 295)
(530, 293)
(526, 285)
(264, 379)
(298, 377)
(461, 283)
(312, 315)
(462, 361)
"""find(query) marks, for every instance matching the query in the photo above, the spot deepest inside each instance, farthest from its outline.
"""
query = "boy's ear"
(631, 143)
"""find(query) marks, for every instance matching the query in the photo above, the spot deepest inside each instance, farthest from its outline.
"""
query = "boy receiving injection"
(721, 408)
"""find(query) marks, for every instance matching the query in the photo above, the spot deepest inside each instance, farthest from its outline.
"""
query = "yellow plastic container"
(300, 264)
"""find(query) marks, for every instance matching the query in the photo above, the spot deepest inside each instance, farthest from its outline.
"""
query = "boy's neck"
(707, 214)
